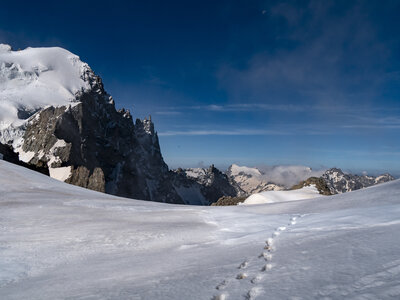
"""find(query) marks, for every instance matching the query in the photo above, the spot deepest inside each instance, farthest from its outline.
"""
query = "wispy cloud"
(288, 175)
(371, 126)
(223, 132)
(168, 113)
(252, 107)
(353, 111)
(335, 56)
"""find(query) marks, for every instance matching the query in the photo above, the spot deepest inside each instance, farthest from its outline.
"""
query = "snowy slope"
(306, 192)
(61, 241)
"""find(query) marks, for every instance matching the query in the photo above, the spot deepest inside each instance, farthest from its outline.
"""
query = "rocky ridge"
(202, 186)
(318, 182)
(84, 140)
(339, 182)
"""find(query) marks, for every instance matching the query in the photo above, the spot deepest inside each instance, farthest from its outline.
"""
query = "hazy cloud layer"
(288, 175)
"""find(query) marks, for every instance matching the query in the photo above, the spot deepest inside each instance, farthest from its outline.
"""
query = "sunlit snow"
(307, 192)
(59, 241)
(33, 78)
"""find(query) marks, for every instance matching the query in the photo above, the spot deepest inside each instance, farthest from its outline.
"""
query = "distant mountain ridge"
(339, 182)
(248, 181)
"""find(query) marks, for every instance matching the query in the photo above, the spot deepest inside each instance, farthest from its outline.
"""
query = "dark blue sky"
(250, 82)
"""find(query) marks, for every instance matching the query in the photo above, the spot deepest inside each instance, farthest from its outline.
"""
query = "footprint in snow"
(256, 279)
(222, 285)
(293, 220)
(267, 267)
(222, 296)
(266, 255)
(276, 233)
(269, 244)
(241, 276)
(243, 265)
(252, 293)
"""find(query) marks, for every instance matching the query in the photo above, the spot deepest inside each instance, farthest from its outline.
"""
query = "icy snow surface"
(307, 192)
(59, 241)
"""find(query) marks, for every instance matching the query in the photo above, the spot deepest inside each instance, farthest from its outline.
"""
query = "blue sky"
(314, 83)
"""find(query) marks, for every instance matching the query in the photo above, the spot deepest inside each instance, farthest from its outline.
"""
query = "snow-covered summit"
(234, 170)
(34, 78)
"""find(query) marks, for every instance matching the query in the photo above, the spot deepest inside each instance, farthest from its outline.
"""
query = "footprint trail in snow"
(266, 256)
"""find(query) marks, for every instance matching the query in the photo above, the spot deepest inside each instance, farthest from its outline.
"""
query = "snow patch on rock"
(61, 173)
(25, 156)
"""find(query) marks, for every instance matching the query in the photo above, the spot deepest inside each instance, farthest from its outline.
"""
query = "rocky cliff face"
(339, 182)
(202, 186)
(83, 139)
(91, 144)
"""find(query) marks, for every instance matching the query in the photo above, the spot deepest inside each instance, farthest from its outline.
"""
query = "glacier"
(63, 241)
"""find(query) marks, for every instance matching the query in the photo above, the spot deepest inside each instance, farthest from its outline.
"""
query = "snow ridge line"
(267, 256)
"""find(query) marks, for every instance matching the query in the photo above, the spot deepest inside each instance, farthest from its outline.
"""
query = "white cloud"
(223, 132)
(168, 113)
(288, 175)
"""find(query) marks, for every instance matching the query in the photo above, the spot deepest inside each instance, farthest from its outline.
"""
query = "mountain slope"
(201, 186)
(62, 241)
(56, 114)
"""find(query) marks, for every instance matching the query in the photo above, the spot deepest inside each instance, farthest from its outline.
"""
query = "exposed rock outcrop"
(7, 154)
(100, 147)
(202, 186)
(339, 182)
(63, 121)
(227, 200)
(319, 183)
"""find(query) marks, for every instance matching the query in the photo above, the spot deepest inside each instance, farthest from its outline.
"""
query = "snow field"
(62, 241)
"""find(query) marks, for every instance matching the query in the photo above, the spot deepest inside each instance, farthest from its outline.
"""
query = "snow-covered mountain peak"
(249, 180)
(234, 170)
(34, 78)
(5, 48)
